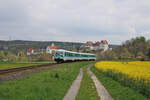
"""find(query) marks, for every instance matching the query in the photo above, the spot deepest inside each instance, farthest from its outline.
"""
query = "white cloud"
(74, 20)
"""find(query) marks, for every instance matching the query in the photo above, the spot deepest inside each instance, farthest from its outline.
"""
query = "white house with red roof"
(30, 51)
(104, 45)
(51, 48)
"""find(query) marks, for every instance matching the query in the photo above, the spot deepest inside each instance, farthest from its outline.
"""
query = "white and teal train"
(64, 56)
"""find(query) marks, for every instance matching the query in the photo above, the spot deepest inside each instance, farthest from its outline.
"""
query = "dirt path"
(72, 92)
(102, 92)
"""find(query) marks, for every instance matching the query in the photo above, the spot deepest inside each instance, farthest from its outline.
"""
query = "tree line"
(136, 48)
(16, 46)
(11, 57)
(14, 51)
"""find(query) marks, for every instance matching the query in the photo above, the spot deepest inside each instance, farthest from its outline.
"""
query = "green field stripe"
(87, 89)
(6, 65)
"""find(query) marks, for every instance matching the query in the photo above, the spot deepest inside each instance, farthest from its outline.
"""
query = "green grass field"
(87, 89)
(46, 85)
(6, 65)
(118, 91)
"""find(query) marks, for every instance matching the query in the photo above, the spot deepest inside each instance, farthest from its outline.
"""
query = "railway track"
(11, 70)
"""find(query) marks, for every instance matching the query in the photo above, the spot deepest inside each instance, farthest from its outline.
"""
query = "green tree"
(2, 55)
(140, 54)
(139, 40)
(11, 57)
(148, 54)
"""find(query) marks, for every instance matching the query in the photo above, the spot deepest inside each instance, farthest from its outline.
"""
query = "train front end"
(59, 56)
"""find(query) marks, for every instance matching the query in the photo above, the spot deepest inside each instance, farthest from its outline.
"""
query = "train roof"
(62, 50)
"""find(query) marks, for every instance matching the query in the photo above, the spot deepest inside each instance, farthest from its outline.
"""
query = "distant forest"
(19, 45)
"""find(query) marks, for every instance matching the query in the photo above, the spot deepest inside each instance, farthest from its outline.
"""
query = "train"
(61, 56)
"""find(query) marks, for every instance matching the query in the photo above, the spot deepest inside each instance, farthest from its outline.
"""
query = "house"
(110, 48)
(139, 57)
(38, 51)
(51, 48)
(30, 51)
(20, 53)
(96, 46)
(103, 46)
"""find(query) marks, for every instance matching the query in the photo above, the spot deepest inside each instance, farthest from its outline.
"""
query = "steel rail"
(10, 70)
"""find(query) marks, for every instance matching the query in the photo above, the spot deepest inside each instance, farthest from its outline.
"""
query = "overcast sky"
(74, 20)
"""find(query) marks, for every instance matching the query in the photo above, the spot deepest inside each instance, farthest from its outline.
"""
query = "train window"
(77, 55)
(85, 55)
(91, 55)
(59, 53)
(73, 54)
(67, 54)
(70, 54)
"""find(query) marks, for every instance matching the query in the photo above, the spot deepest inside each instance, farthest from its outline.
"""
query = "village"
(89, 46)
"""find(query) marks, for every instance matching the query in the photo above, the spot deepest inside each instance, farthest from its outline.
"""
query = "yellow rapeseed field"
(134, 69)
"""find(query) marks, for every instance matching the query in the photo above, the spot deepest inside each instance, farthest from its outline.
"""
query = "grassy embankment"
(87, 89)
(46, 85)
(6, 65)
(116, 89)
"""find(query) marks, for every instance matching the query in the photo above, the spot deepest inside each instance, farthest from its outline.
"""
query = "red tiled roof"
(30, 50)
(139, 57)
(89, 42)
(37, 50)
(53, 47)
(97, 43)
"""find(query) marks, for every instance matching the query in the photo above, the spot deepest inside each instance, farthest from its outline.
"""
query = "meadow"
(134, 74)
(45, 85)
(6, 65)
